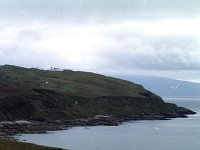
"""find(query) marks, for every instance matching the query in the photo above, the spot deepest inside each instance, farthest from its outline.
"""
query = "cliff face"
(34, 94)
(47, 105)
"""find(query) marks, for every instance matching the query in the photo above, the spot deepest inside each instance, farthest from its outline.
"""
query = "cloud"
(98, 10)
(131, 45)
(103, 35)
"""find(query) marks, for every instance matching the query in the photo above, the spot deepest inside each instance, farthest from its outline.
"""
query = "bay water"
(174, 134)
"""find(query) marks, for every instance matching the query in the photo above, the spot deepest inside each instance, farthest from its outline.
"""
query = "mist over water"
(175, 134)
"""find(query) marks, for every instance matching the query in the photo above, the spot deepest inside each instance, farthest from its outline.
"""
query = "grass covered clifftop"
(34, 94)
(69, 82)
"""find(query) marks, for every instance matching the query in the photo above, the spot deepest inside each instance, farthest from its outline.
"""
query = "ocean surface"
(175, 134)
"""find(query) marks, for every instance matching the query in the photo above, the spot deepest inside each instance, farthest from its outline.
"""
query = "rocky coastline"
(10, 128)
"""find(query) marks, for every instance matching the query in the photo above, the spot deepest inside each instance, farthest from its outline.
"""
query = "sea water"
(175, 134)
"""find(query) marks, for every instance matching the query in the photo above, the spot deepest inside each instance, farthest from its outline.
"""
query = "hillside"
(69, 82)
(165, 87)
(34, 94)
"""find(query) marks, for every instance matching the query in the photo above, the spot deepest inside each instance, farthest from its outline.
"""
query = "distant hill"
(165, 87)
(35, 94)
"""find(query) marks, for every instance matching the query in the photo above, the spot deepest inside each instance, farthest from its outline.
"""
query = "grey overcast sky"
(152, 37)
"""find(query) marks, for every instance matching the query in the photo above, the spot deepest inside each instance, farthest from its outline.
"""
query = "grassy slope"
(13, 145)
(69, 82)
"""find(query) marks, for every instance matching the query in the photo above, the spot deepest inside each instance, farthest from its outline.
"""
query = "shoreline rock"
(10, 128)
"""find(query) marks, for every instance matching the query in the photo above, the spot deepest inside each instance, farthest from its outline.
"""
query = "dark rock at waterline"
(185, 111)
